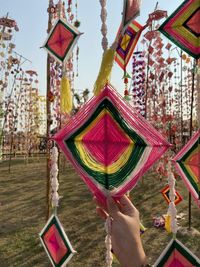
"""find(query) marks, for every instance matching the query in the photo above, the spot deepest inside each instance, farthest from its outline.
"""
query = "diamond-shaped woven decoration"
(56, 243)
(61, 40)
(183, 27)
(109, 145)
(127, 42)
(165, 192)
(187, 162)
(177, 255)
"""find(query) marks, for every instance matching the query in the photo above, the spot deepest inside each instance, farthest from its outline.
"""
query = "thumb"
(126, 206)
(113, 209)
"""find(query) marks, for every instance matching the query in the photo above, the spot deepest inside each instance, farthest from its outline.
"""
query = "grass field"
(22, 216)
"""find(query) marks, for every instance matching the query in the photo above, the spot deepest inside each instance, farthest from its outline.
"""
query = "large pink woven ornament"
(110, 145)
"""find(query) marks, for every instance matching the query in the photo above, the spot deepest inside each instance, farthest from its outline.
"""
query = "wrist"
(136, 258)
(135, 263)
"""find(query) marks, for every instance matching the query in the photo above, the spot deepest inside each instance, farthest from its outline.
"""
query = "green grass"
(22, 216)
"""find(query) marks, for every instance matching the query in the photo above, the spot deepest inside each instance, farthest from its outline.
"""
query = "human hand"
(125, 231)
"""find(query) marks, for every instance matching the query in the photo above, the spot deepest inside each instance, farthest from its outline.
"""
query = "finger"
(126, 206)
(99, 203)
(101, 213)
(113, 209)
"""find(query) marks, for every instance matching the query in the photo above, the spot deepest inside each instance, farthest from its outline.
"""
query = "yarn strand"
(54, 181)
(104, 26)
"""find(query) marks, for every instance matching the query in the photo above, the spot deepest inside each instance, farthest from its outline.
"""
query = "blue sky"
(32, 17)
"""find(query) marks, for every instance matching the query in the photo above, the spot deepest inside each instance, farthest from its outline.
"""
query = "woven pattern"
(182, 27)
(177, 255)
(61, 40)
(166, 191)
(56, 243)
(127, 42)
(109, 145)
(187, 162)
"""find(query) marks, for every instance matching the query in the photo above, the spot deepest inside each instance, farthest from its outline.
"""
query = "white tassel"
(108, 242)
(54, 175)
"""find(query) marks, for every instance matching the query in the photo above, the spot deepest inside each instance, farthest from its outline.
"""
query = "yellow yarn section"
(115, 260)
(168, 223)
(65, 96)
(187, 165)
(105, 70)
(91, 162)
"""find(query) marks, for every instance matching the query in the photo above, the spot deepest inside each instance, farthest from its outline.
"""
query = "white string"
(54, 175)
(198, 95)
(108, 242)
(104, 26)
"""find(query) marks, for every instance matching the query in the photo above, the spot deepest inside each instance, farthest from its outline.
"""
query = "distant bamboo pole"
(198, 94)
(48, 108)
(48, 112)
(147, 74)
(9, 101)
(181, 96)
(12, 131)
(191, 126)
(2, 133)
(198, 110)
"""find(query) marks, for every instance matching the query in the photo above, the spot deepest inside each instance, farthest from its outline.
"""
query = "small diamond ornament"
(56, 242)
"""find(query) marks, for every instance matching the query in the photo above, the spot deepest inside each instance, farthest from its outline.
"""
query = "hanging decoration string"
(198, 108)
(77, 24)
(59, 6)
(54, 181)
(171, 221)
(66, 101)
(104, 75)
(104, 26)
(198, 93)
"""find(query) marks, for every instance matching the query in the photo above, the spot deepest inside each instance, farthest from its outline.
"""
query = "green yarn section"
(54, 222)
(174, 39)
(185, 253)
(182, 164)
(109, 181)
(69, 45)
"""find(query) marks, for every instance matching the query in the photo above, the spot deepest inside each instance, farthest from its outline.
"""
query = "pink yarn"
(156, 144)
(109, 143)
